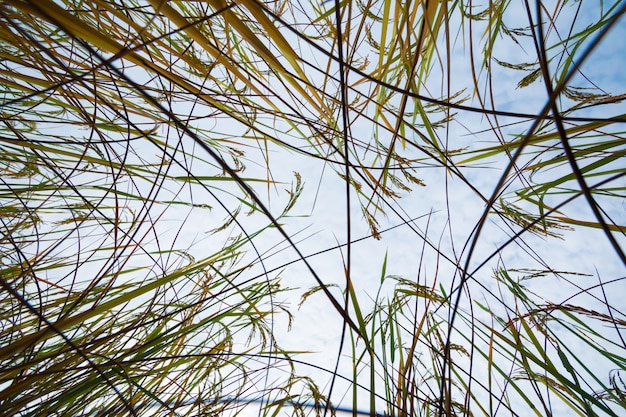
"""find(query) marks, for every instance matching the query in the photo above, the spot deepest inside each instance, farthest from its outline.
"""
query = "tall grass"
(158, 156)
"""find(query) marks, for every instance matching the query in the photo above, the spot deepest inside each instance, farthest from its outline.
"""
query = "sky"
(444, 211)
(426, 232)
(581, 251)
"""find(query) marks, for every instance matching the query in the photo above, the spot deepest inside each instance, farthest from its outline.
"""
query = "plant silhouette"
(311, 208)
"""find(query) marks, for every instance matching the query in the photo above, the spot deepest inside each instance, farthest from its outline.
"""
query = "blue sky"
(581, 251)
(429, 249)
(427, 229)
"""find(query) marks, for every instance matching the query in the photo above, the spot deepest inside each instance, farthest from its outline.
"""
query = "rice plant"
(368, 207)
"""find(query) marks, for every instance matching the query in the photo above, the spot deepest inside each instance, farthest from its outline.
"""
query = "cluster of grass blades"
(145, 150)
